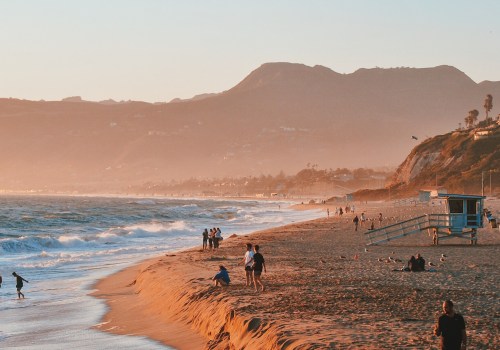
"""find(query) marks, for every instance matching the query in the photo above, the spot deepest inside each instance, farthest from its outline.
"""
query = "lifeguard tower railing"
(450, 224)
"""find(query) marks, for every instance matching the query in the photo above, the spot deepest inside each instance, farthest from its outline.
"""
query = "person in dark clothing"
(19, 284)
(420, 262)
(258, 265)
(0, 281)
(451, 328)
(356, 222)
(412, 264)
(205, 239)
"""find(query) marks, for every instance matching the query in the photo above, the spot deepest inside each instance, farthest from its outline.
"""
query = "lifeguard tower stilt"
(462, 218)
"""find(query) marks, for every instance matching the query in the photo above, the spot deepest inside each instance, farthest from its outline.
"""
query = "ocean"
(63, 245)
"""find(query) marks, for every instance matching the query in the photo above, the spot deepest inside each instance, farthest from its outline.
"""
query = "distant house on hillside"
(425, 194)
(482, 134)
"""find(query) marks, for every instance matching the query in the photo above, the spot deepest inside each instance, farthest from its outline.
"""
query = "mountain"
(282, 116)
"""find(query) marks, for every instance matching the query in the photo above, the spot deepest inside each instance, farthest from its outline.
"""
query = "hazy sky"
(155, 50)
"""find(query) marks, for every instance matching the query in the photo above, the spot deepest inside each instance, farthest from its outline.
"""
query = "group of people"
(362, 219)
(19, 284)
(254, 264)
(212, 239)
(416, 264)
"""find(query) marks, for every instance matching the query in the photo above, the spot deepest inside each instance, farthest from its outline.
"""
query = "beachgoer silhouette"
(356, 222)
(451, 328)
(19, 284)
(258, 265)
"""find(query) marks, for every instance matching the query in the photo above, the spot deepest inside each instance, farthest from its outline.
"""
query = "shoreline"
(322, 291)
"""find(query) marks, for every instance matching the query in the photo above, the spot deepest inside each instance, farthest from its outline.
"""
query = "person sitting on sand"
(222, 277)
(420, 263)
(19, 284)
(412, 264)
(372, 226)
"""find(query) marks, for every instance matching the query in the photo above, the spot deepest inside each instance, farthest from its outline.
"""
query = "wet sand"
(323, 290)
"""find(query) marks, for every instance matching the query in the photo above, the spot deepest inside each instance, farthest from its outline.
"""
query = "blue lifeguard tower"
(462, 218)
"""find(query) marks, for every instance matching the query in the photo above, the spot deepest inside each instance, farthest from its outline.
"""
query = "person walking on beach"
(327, 212)
(451, 328)
(248, 262)
(380, 219)
(205, 239)
(356, 222)
(258, 265)
(19, 284)
(222, 277)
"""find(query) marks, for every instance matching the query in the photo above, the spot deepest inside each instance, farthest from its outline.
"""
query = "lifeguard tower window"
(456, 206)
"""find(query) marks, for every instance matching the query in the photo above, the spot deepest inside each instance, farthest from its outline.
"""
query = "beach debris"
(342, 257)
(366, 250)
(380, 259)
(442, 259)
(431, 263)
(355, 257)
(322, 261)
(443, 255)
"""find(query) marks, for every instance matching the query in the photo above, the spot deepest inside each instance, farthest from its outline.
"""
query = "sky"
(155, 51)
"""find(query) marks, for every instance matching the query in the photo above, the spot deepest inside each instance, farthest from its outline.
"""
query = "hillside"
(456, 161)
(282, 116)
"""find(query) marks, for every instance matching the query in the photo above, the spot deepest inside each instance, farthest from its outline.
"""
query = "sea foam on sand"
(324, 290)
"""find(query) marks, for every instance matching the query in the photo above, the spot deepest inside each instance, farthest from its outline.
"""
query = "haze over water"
(62, 245)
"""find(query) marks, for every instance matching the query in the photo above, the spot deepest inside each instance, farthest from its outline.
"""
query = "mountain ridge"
(279, 117)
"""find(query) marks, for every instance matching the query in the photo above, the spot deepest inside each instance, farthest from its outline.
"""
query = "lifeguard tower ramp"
(461, 219)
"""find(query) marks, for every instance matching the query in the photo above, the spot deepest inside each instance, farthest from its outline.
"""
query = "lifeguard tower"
(462, 218)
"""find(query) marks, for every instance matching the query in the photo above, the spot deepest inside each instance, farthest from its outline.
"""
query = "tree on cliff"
(488, 104)
(471, 118)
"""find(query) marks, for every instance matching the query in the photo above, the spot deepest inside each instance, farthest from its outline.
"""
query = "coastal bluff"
(324, 290)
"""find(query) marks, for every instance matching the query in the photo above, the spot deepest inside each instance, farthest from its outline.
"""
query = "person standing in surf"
(19, 284)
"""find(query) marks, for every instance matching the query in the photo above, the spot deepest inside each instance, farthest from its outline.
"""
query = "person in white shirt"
(248, 262)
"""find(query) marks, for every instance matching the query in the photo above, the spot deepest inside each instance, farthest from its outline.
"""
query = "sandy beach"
(324, 290)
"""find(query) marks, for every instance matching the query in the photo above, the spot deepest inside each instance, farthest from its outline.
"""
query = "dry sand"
(315, 298)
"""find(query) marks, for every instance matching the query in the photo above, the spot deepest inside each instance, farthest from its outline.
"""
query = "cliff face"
(281, 117)
(455, 160)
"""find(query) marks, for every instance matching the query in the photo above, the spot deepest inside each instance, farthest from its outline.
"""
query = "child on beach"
(222, 277)
(19, 284)
(258, 265)
(248, 262)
